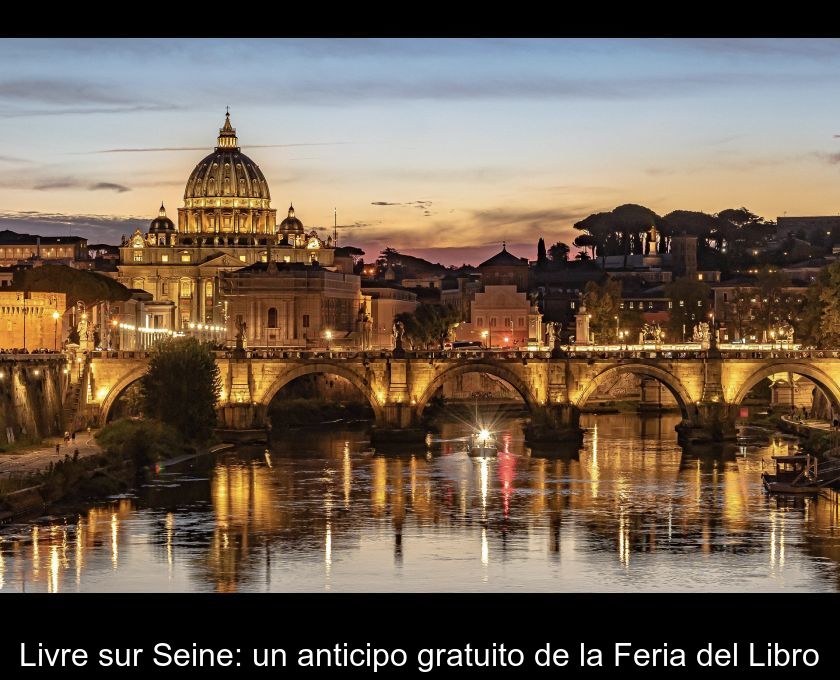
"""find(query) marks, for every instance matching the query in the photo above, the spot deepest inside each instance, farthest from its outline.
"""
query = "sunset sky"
(440, 148)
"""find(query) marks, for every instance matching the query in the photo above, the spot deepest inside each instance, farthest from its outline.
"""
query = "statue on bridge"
(241, 340)
(701, 333)
(652, 332)
(399, 332)
(554, 330)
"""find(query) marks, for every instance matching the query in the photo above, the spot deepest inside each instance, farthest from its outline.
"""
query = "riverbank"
(112, 461)
(37, 457)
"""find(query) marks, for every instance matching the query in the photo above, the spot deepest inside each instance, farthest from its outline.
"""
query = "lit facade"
(31, 320)
(294, 305)
(226, 223)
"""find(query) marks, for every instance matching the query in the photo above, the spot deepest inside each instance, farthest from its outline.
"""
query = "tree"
(559, 252)
(822, 322)
(78, 285)
(739, 312)
(542, 260)
(585, 241)
(181, 386)
(689, 301)
(620, 229)
(428, 325)
(603, 304)
(770, 308)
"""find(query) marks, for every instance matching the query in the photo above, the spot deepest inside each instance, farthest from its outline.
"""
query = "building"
(386, 301)
(807, 225)
(225, 224)
(31, 320)
(295, 305)
(140, 321)
(501, 316)
(505, 269)
(26, 249)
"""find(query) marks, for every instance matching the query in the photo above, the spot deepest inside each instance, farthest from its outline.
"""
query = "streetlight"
(55, 316)
(328, 336)
(484, 335)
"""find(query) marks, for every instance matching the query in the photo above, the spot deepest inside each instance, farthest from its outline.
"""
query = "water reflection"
(321, 511)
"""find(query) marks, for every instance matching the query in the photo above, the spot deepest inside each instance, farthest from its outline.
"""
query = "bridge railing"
(494, 355)
(37, 356)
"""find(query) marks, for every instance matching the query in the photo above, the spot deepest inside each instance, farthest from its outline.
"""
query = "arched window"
(272, 317)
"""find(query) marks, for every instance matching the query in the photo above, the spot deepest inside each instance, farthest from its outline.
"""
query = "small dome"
(161, 222)
(291, 224)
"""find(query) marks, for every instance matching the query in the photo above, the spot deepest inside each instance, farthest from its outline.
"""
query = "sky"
(440, 148)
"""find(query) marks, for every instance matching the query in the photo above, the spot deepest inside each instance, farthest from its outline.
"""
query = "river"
(628, 512)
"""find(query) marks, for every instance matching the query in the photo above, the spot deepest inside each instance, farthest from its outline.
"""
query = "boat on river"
(797, 474)
(483, 443)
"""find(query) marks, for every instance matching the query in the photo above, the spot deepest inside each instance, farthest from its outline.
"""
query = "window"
(479, 321)
(670, 305)
(650, 305)
(631, 305)
(306, 320)
(138, 255)
(572, 303)
(521, 322)
(508, 323)
(185, 288)
(164, 258)
(185, 257)
(164, 288)
(621, 306)
(492, 322)
(682, 303)
(242, 258)
(725, 297)
(272, 317)
(699, 303)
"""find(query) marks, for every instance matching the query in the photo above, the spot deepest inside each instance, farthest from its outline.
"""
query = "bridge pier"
(241, 422)
(554, 423)
(710, 424)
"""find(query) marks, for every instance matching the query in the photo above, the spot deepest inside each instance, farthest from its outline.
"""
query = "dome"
(227, 172)
(291, 224)
(161, 222)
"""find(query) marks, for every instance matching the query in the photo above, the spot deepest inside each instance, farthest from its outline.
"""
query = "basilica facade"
(226, 224)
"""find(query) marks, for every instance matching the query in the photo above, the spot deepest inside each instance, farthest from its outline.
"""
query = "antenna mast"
(335, 227)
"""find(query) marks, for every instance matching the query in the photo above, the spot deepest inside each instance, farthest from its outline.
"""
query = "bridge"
(708, 385)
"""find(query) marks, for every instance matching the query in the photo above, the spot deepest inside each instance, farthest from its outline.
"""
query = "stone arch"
(818, 376)
(492, 368)
(359, 381)
(669, 380)
(119, 387)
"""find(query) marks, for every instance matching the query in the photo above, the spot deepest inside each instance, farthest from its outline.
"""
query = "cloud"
(422, 205)
(73, 183)
(100, 228)
(204, 148)
(830, 158)
(109, 186)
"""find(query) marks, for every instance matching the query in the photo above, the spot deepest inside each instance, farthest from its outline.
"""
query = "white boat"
(483, 443)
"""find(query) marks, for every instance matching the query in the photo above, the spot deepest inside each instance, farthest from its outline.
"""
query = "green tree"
(182, 385)
(542, 260)
(559, 252)
(78, 285)
(689, 306)
(739, 312)
(429, 325)
(603, 304)
(771, 308)
(828, 294)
